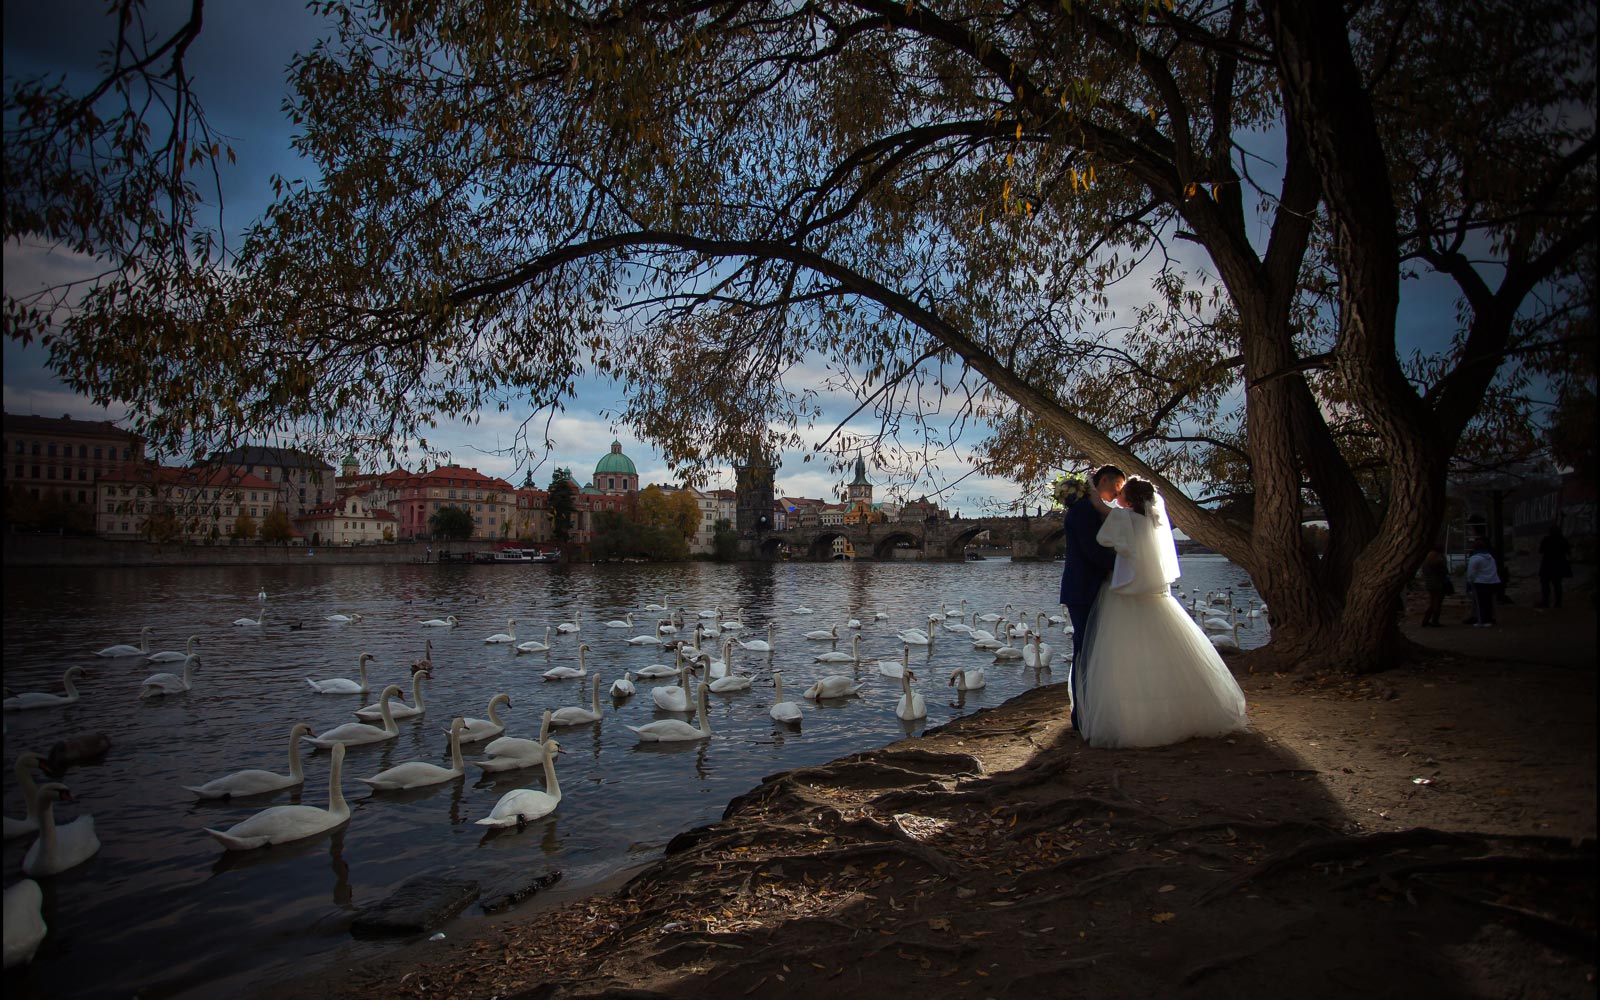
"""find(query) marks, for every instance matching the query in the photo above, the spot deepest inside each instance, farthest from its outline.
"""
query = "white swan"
(508, 753)
(916, 636)
(759, 645)
(729, 683)
(283, 824)
(1226, 641)
(341, 619)
(521, 806)
(359, 733)
(783, 711)
(713, 613)
(419, 773)
(568, 673)
(571, 626)
(255, 781)
(623, 687)
(172, 655)
(1037, 654)
(912, 706)
(374, 711)
(853, 623)
(824, 633)
(26, 762)
(674, 697)
(734, 624)
(716, 669)
(676, 730)
(577, 715)
(644, 640)
(478, 730)
(626, 622)
(834, 656)
(509, 635)
(534, 645)
(802, 610)
(123, 649)
(656, 607)
(249, 622)
(960, 612)
(835, 686)
(164, 683)
(969, 680)
(344, 685)
(44, 699)
(448, 621)
(880, 616)
(59, 847)
(895, 668)
(24, 921)
(960, 628)
(1006, 651)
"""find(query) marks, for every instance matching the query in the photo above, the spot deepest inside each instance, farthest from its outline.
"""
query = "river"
(163, 911)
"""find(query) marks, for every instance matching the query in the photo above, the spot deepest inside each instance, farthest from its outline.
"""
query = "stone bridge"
(1027, 538)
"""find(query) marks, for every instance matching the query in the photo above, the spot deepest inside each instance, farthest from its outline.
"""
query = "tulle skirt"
(1151, 677)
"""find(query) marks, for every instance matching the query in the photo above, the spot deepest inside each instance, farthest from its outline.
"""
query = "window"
(19, 448)
(51, 450)
(50, 473)
(83, 451)
(97, 451)
(19, 471)
(36, 449)
(83, 475)
(127, 453)
(83, 496)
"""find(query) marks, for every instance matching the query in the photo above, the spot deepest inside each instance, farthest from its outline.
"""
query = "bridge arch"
(955, 547)
(883, 548)
(822, 545)
(1053, 542)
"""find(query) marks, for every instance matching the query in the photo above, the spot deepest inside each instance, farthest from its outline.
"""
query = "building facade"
(303, 480)
(142, 500)
(350, 520)
(65, 456)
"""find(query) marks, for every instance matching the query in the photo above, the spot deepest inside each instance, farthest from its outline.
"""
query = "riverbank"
(26, 551)
(1429, 831)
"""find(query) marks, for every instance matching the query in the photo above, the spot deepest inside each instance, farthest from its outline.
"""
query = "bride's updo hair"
(1139, 494)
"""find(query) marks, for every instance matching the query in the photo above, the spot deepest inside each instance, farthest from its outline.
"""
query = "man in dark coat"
(1088, 563)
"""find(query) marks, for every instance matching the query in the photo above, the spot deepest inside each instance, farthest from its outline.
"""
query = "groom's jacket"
(1088, 562)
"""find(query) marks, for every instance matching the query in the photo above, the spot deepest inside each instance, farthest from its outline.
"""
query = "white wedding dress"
(1151, 677)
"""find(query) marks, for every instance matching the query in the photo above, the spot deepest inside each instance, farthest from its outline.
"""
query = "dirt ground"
(1424, 832)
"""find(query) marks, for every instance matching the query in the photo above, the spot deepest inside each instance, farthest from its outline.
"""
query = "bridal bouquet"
(1069, 490)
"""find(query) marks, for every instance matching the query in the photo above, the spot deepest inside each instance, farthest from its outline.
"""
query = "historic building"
(65, 456)
(303, 480)
(858, 508)
(615, 474)
(187, 504)
(350, 520)
(413, 498)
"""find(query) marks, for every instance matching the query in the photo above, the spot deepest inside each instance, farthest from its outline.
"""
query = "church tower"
(860, 488)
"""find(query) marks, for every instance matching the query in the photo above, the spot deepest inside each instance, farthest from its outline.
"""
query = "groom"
(1087, 566)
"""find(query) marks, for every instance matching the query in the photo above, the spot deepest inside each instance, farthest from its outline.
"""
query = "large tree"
(450, 522)
(699, 197)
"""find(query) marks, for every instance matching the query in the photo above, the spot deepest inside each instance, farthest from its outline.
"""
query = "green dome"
(616, 463)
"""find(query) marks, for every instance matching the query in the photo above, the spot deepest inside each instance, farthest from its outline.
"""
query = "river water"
(163, 911)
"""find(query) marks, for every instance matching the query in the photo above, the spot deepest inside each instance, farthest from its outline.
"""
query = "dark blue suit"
(1088, 564)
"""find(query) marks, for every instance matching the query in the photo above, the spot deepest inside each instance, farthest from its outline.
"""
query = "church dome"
(616, 463)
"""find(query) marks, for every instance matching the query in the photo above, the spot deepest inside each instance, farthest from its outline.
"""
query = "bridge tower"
(753, 487)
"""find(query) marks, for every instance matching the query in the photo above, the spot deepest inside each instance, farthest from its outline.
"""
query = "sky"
(239, 64)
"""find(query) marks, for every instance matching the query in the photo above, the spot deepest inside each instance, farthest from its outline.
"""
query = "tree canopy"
(450, 522)
(937, 199)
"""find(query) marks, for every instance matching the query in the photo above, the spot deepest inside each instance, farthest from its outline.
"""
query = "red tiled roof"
(198, 476)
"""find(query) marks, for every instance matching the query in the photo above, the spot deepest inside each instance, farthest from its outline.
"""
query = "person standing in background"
(1484, 582)
(1436, 582)
(1555, 565)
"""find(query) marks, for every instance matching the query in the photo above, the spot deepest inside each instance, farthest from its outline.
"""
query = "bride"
(1154, 677)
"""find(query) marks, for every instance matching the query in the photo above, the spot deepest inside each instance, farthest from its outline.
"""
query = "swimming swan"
(509, 635)
(674, 697)
(676, 730)
(824, 633)
(374, 711)
(26, 762)
(172, 655)
(626, 622)
(969, 680)
(571, 626)
(123, 649)
(521, 806)
(835, 686)
(1038, 653)
(24, 921)
(164, 683)
(534, 645)
(477, 730)
(759, 645)
(783, 711)
(420, 773)
(509, 753)
(448, 621)
(854, 656)
(575, 715)
(283, 824)
(623, 687)
(59, 847)
(344, 685)
(44, 699)
(568, 673)
(341, 619)
(359, 733)
(256, 781)
(912, 706)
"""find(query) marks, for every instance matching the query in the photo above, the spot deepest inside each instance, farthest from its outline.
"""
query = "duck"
(783, 711)
(255, 781)
(344, 685)
(759, 645)
(623, 687)
(426, 660)
(625, 622)
(969, 680)
(342, 619)
(58, 847)
(157, 685)
(360, 733)
(24, 767)
(534, 645)
(374, 711)
(123, 649)
(509, 635)
(571, 626)
(478, 730)
(285, 824)
(676, 730)
(172, 655)
(674, 697)
(894, 668)
(44, 699)
(448, 621)
(835, 686)
(568, 673)
(421, 773)
(577, 715)
(508, 753)
(521, 806)
(911, 706)
(835, 656)
(825, 634)
(1036, 654)
(24, 921)
(1226, 641)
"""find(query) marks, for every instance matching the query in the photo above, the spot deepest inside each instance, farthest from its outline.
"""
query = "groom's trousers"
(1079, 613)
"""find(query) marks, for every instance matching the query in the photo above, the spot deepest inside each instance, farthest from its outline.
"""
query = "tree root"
(1546, 930)
(1221, 962)
(1088, 886)
(1327, 850)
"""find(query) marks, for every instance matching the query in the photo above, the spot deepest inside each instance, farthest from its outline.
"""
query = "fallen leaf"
(1166, 888)
(1162, 918)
